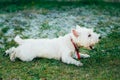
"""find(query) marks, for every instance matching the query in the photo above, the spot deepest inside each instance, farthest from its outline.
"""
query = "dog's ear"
(77, 27)
(75, 33)
(92, 30)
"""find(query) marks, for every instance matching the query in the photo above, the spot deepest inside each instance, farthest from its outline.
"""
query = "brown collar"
(76, 49)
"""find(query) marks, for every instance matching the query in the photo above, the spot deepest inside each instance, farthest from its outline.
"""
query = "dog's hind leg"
(12, 56)
(11, 52)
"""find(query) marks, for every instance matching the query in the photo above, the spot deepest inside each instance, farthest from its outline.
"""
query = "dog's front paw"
(85, 55)
(79, 63)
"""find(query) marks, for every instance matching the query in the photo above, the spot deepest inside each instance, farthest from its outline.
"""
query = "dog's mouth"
(91, 47)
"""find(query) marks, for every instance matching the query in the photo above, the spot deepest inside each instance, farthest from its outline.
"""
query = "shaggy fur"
(57, 48)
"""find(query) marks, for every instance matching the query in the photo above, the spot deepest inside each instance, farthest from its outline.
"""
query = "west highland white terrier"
(63, 48)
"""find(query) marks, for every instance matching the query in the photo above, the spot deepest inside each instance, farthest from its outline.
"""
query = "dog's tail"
(18, 40)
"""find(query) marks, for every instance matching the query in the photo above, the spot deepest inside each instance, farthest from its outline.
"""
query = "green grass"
(104, 63)
(19, 5)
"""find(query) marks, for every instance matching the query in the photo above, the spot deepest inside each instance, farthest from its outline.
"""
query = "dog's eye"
(89, 35)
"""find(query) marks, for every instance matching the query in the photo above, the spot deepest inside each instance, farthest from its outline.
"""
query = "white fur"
(57, 48)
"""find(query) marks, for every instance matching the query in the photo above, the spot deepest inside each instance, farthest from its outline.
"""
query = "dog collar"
(76, 49)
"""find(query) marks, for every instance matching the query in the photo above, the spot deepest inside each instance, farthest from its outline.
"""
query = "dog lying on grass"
(63, 48)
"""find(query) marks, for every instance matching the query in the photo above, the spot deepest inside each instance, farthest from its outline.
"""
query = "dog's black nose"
(100, 37)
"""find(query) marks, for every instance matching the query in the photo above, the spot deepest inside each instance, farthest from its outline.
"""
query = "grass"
(103, 64)
(19, 5)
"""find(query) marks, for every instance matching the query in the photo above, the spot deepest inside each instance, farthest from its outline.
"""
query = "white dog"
(62, 48)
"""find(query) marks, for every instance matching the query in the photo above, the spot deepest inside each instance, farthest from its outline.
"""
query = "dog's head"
(85, 37)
